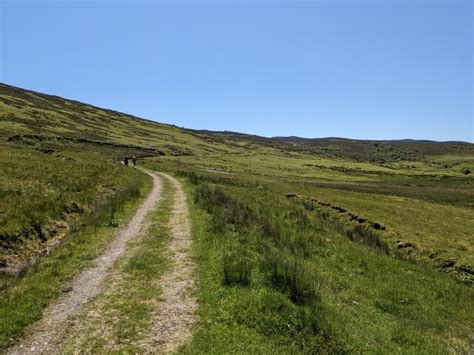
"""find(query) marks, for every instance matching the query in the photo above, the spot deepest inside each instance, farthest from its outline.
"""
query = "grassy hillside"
(61, 165)
(42, 120)
(44, 197)
(277, 277)
(302, 244)
(380, 150)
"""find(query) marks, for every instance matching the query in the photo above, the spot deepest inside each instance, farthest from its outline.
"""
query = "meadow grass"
(461, 163)
(241, 309)
(440, 235)
(436, 225)
(274, 279)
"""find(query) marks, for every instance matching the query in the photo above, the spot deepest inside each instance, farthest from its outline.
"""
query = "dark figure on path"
(125, 160)
(134, 160)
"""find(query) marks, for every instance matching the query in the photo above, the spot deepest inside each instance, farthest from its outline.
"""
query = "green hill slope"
(50, 143)
(45, 117)
(302, 244)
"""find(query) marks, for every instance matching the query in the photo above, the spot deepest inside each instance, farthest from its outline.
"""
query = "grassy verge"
(44, 197)
(272, 278)
(23, 299)
(244, 308)
(121, 316)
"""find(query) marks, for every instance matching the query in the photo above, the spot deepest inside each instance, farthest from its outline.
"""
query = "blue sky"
(361, 69)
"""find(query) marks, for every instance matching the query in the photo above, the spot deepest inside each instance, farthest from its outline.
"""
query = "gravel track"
(46, 335)
(175, 314)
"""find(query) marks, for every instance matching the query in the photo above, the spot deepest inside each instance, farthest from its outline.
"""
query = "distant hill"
(378, 150)
(35, 117)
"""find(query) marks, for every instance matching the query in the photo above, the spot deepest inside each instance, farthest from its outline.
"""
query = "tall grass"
(354, 231)
(237, 268)
(281, 242)
(279, 278)
(258, 289)
(270, 248)
(292, 275)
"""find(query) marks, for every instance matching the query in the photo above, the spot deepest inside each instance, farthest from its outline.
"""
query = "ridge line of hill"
(285, 139)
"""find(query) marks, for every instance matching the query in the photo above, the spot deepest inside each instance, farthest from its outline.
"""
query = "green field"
(328, 245)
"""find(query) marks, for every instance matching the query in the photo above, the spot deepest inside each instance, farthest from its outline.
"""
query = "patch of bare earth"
(47, 335)
(175, 314)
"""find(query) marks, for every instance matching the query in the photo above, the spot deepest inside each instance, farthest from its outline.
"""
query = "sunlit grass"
(296, 286)
(23, 299)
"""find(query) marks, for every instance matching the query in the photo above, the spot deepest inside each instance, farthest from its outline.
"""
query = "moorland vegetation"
(302, 244)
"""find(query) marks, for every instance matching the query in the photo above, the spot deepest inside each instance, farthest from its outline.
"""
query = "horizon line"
(240, 132)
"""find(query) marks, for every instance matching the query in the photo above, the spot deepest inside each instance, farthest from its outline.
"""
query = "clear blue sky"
(381, 69)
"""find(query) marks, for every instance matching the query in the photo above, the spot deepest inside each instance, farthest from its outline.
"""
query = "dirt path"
(176, 313)
(46, 335)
